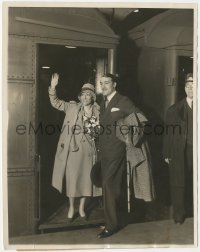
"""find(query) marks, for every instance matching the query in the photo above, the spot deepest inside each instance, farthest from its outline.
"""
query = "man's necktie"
(106, 101)
(191, 104)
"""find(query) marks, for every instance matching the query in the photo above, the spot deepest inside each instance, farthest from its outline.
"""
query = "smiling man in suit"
(113, 107)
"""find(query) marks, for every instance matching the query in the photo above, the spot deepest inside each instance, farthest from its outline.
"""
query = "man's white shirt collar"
(110, 96)
(189, 101)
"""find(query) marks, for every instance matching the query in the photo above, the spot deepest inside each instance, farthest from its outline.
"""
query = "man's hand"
(167, 160)
(54, 80)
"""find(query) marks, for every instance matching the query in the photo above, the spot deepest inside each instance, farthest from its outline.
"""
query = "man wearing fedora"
(178, 153)
(113, 107)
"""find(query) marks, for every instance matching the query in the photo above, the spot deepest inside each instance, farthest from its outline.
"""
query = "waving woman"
(76, 151)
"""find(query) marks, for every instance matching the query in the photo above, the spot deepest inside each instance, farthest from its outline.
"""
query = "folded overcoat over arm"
(138, 155)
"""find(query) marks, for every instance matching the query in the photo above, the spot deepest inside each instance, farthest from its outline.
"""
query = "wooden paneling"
(21, 204)
(21, 58)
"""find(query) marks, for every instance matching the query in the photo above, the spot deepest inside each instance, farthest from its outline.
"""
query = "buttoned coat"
(71, 110)
(175, 141)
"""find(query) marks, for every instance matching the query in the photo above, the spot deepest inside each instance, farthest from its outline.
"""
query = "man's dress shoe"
(105, 233)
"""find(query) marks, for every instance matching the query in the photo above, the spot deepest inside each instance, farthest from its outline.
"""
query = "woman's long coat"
(71, 110)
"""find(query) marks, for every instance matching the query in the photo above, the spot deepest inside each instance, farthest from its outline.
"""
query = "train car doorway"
(75, 67)
(185, 66)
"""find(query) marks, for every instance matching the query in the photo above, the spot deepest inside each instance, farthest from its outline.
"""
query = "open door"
(75, 66)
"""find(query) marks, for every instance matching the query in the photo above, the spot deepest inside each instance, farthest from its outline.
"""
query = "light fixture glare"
(45, 67)
(70, 47)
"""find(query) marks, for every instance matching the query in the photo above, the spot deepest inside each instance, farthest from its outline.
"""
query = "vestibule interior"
(75, 66)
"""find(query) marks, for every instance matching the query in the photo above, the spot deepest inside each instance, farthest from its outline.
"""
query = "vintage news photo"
(100, 125)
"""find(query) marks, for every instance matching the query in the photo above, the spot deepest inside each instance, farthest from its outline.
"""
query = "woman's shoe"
(71, 218)
(84, 217)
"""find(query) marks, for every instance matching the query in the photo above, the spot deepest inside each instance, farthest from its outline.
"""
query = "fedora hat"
(189, 77)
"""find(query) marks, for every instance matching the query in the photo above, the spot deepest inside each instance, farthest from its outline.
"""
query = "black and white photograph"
(99, 125)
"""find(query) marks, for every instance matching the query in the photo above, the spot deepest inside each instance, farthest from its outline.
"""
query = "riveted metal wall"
(21, 141)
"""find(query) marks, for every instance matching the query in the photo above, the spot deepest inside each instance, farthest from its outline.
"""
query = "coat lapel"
(183, 111)
(106, 112)
(78, 108)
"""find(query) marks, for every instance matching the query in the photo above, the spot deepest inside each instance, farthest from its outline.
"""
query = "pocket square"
(114, 109)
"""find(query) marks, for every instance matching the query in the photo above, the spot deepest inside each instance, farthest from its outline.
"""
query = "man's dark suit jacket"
(110, 146)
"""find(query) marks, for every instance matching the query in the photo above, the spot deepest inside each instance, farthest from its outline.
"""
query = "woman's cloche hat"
(89, 87)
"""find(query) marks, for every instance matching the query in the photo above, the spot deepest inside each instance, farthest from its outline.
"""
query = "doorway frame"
(185, 53)
(111, 63)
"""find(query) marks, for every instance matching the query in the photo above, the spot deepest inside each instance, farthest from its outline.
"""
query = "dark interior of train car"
(150, 51)
(75, 66)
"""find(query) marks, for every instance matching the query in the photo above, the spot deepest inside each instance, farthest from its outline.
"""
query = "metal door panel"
(21, 117)
(21, 211)
(20, 58)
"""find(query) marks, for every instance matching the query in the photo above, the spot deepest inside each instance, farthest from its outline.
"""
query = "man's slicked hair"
(112, 76)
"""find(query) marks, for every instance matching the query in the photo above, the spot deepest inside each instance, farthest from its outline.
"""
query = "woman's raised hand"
(54, 80)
